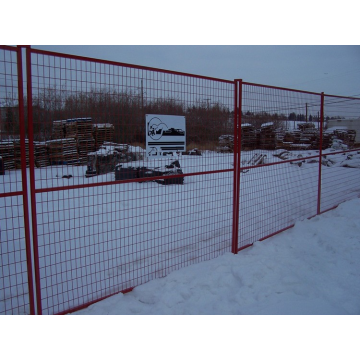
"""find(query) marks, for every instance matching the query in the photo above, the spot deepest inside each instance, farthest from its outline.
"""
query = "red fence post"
(32, 180)
(320, 152)
(237, 148)
(24, 182)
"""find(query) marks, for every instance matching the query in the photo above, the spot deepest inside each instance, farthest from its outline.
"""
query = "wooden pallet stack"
(279, 138)
(78, 129)
(85, 146)
(103, 133)
(347, 136)
(288, 140)
(297, 136)
(17, 153)
(70, 129)
(226, 144)
(267, 136)
(7, 154)
(309, 136)
(84, 128)
(58, 129)
(41, 154)
(326, 141)
(63, 151)
(248, 137)
(85, 138)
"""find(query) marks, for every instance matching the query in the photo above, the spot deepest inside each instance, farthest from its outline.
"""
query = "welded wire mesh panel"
(340, 178)
(14, 293)
(341, 171)
(110, 213)
(279, 174)
(10, 151)
(274, 197)
(274, 118)
(80, 107)
(96, 241)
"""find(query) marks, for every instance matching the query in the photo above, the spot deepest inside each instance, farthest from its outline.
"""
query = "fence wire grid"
(87, 211)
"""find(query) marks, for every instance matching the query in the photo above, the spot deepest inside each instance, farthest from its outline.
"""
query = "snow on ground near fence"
(313, 268)
(160, 228)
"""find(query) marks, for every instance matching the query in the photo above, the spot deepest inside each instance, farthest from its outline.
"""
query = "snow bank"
(312, 268)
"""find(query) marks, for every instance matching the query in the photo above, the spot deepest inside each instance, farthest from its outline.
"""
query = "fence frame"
(30, 217)
(24, 192)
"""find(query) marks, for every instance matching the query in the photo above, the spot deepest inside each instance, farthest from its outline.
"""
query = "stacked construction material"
(103, 133)
(297, 135)
(289, 137)
(248, 137)
(70, 128)
(310, 136)
(7, 154)
(41, 154)
(306, 126)
(85, 146)
(17, 153)
(85, 138)
(63, 151)
(84, 128)
(288, 140)
(347, 136)
(81, 130)
(58, 129)
(326, 141)
(226, 144)
(267, 136)
(279, 138)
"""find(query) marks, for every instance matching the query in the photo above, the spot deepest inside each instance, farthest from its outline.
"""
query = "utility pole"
(306, 116)
(207, 100)
(142, 95)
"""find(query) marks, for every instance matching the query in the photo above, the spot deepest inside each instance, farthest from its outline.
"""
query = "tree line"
(125, 110)
(205, 121)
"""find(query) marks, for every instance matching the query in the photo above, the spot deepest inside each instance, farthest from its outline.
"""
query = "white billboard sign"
(165, 135)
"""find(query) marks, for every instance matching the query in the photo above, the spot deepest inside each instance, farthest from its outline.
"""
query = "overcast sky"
(182, 26)
(334, 70)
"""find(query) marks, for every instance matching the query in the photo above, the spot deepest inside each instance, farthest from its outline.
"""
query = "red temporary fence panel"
(275, 191)
(342, 115)
(86, 213)
(297, 173)
(97, 236)
(16, 275)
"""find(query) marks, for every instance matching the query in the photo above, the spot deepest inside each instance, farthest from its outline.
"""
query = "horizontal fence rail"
(88, 210)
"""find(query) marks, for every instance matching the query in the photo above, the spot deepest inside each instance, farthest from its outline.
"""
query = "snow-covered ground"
(95, 241)
(312, 268)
